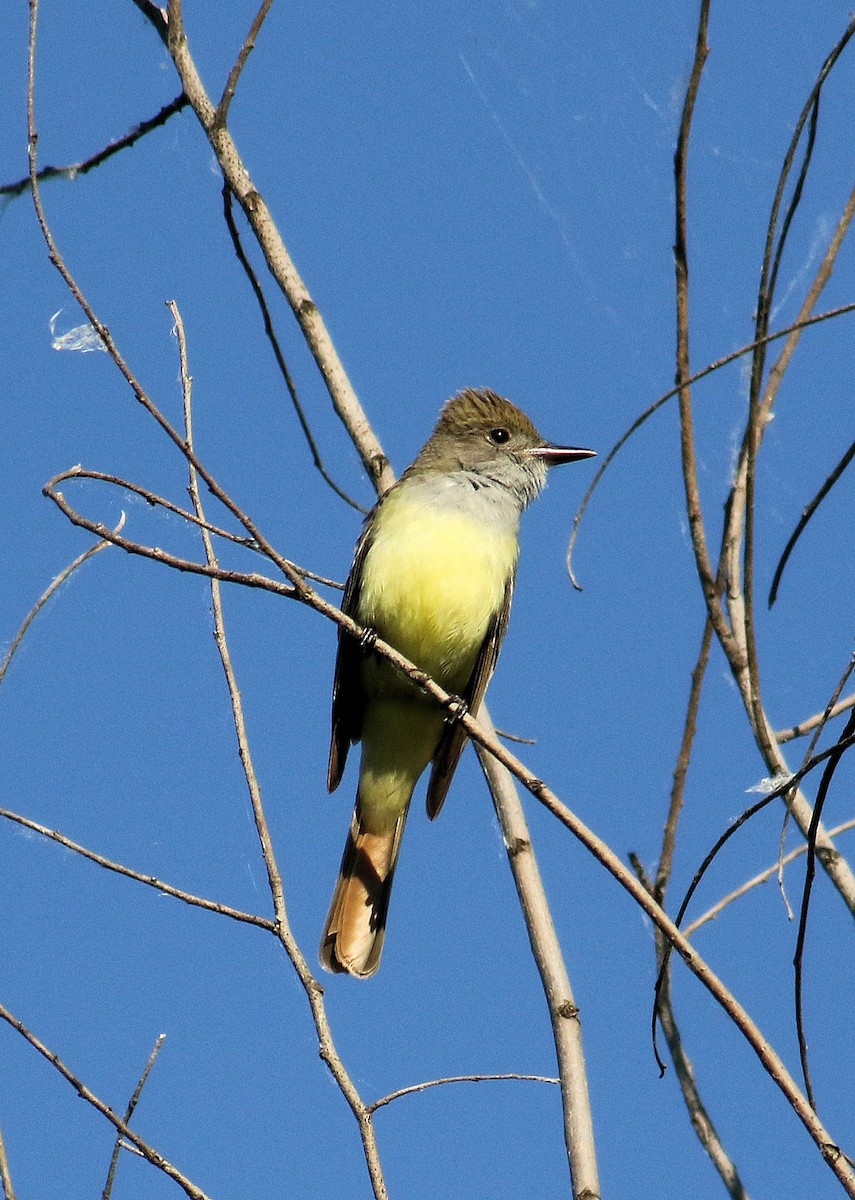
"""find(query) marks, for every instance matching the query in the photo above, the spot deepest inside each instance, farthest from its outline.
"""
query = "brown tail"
(352, 940)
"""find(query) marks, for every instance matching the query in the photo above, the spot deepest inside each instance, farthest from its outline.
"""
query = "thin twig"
(681, 768)
(129, 1112)
(699, 1116)
(148, 1152)
(780, 792)
(5, 1172)
(785, 788)
(314, 992)
(712, 586)
(802, 523)
(734, 555)
(701, 1120)
(432, 1083)
(151, 881)
(272, 338)
(157, 15)
(709, 579)
(75, 170)
(761, 1046)
(46, 595)
(829, 708)
(99, 529)
(725, 361)
(761, 399)
(810, 871)
(803, 727)
(764, 876)
(155, 501)
(240, 62)
(112, 349)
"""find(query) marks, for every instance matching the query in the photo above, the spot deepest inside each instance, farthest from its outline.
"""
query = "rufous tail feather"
(352, 940)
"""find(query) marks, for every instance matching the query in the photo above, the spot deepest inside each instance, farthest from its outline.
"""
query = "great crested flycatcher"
(433, 575)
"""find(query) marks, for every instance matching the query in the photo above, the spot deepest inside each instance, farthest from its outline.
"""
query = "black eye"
(499, 436)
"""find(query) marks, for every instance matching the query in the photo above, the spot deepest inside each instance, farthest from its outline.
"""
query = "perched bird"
(433, 575)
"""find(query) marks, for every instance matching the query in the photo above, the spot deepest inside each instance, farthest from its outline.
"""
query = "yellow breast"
(432, 580)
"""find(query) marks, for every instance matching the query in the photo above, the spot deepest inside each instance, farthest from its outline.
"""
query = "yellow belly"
(431, 583)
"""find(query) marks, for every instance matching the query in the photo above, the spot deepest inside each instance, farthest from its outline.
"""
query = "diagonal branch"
(46, 595)
(75, 170)
(240, 62)
(152, 881)
(802, 522)
(146, 1151)
(129, 1112)
(757, 880)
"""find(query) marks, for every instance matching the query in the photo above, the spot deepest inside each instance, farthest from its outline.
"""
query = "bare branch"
(780, 792)
(432, 1083)
(763, 877)
(46, 595)
(153, 499)
(75, 170)
(129, 1112)
(152, 881)
(798, 959)
(803, 727)
(708, 578)
(240, 62)
(156, 15)
(5, 1172)
(155, 552)
(148, 1152)
(725, 361)
(270, 333)
(701, 1121)
(248, 579)
(736, 564)
(546, 951)
(105, 336)
(681, 769)
(770, 1060)
(807, 513)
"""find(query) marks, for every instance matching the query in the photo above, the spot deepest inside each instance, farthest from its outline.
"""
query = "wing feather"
(348, 701)
(454, 738)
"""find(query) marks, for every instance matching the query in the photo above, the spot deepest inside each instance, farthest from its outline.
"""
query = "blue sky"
(476, 194)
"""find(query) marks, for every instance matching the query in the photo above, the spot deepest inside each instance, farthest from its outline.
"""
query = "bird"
(433, 575)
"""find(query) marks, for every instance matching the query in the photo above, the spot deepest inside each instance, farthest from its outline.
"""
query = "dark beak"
(553, 456)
